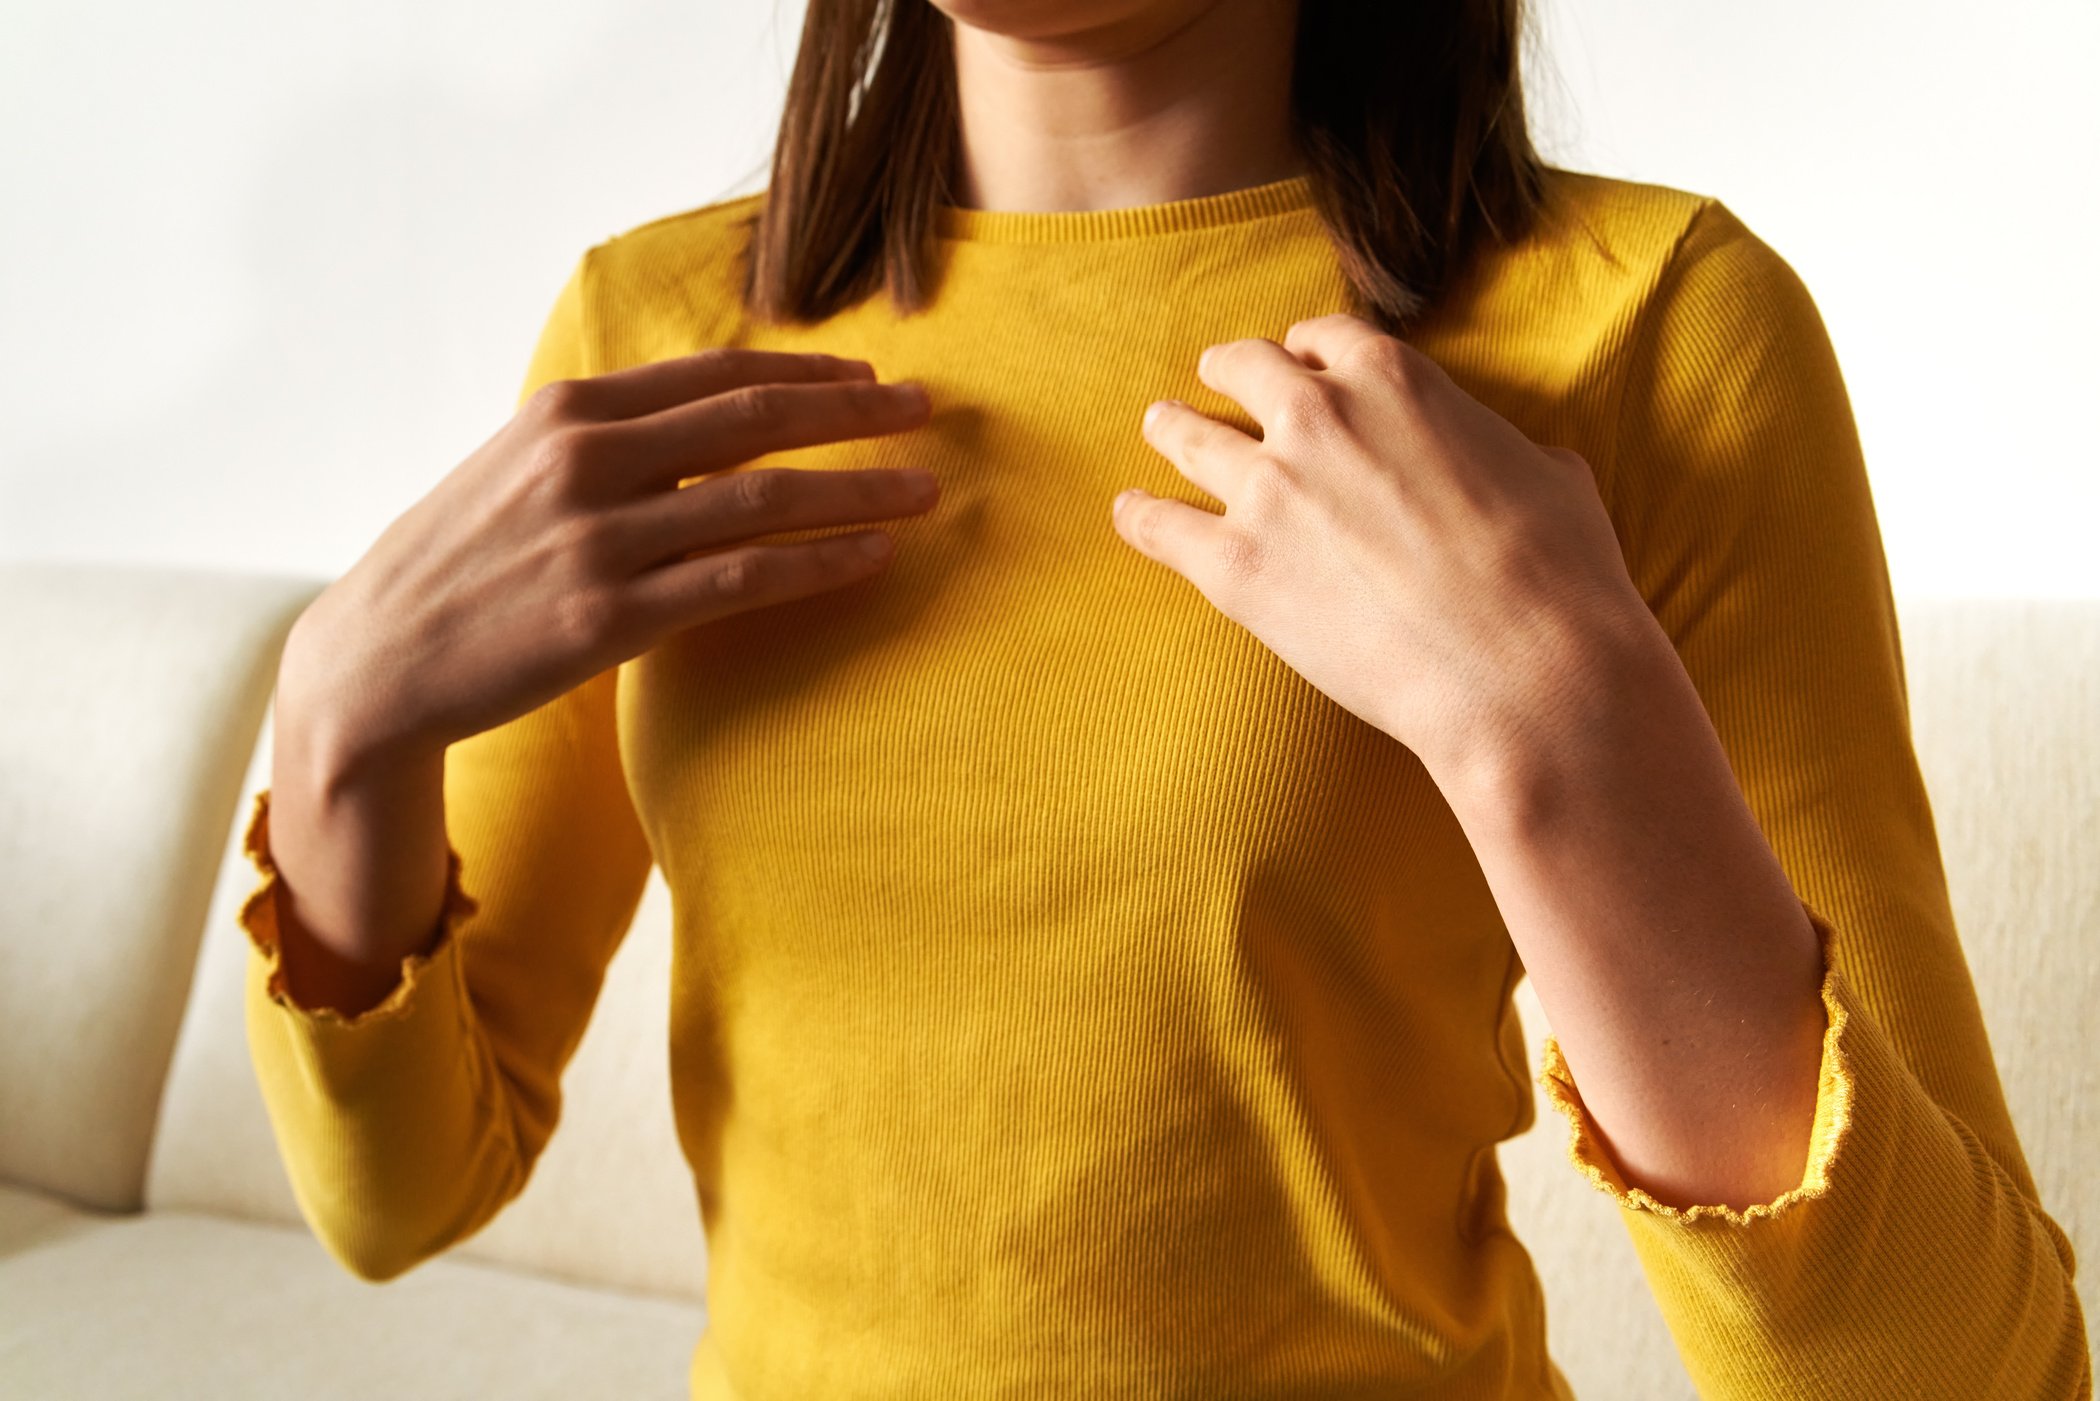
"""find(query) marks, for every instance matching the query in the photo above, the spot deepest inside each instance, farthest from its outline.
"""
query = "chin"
(1054, 19)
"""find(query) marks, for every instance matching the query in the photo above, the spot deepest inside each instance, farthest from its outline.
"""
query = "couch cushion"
(610, 1201)
(29, 1217)
(129, 703)
(175, 1304)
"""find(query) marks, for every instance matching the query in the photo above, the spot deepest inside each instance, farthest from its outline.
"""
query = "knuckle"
(557, 457)
(1205, 436)
(560, 400)
(738, 576)
(587, 616)
(1268, 485)
(1386, 354)
(762, 493)
(717, 359)
(1307, 406)
(1221, 356)
(589, 545)
(1240, 556)
(750, 405)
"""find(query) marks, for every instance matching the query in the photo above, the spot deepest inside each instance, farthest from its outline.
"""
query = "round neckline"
(1289, 195)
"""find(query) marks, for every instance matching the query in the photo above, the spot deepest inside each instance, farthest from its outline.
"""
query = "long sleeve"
(407, 1127)
(1913, 1259)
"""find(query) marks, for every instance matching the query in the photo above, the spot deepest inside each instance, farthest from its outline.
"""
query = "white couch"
(149, 1242)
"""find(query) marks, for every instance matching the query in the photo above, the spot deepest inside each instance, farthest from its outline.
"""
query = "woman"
(1095, 929)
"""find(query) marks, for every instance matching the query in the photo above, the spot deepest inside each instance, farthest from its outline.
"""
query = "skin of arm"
(1416, 558)
(1672, 957)
(360, 840)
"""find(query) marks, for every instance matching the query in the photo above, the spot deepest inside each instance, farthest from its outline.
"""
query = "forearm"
(1666, 944)
(359, 841)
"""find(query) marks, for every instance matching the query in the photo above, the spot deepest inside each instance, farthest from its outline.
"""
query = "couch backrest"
(2004, 699)
(129, 701)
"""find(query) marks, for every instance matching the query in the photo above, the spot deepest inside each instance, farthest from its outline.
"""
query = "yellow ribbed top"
(1067, 998)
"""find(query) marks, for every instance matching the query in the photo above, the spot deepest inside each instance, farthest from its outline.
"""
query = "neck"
(1183, 100)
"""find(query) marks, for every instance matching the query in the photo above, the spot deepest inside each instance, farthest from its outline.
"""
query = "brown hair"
(1409, 117)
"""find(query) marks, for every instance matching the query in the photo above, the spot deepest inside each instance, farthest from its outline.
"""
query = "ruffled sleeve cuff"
(431, 973)
(1835, 1085)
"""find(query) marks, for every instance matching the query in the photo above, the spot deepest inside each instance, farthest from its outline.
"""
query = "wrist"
(1590, 689)
(329, 726)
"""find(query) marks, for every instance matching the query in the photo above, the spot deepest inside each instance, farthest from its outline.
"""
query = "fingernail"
(1152, 413)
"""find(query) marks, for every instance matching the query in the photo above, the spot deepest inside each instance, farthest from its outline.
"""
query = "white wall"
(1929, 168)
(268, 272)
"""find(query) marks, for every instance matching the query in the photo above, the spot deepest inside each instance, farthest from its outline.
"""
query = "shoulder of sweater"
(1607, 229)
(1626, 258)
(1654, 238)
(1652, 292)
(673, 279)
(702, 228)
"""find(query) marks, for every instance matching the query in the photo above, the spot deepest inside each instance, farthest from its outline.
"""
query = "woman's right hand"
(564, 545)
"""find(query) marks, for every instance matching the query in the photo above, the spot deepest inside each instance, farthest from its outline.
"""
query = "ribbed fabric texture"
(1068, 999)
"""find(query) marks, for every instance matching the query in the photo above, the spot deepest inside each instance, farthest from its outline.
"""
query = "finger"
(1257, 374)
(725, 509)
(1321, 341)
(658, 385)
(709, 586)
(1211, 454)
(661, 449)
(1184, 538)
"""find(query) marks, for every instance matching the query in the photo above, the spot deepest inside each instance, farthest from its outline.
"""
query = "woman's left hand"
(1397, 543)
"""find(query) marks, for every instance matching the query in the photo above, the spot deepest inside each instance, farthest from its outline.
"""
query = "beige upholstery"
(129, 701)
(590, 1283)
(171, 1304)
